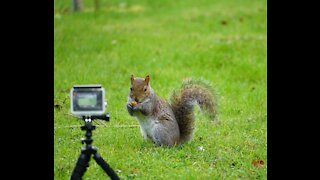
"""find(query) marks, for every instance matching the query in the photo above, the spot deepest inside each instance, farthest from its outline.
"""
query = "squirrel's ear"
(147, 79)
(132, 78)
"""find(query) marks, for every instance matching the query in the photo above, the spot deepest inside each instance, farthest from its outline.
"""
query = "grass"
(223, 42)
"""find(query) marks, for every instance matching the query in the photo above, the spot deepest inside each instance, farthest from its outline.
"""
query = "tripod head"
(105, 117)
(89, 127)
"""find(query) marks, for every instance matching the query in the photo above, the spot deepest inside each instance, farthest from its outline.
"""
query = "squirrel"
(169, 124)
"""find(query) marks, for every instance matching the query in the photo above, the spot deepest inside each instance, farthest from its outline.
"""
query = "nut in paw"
(133, 103)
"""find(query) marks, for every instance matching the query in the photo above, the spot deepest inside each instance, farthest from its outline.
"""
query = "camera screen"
(87, 100)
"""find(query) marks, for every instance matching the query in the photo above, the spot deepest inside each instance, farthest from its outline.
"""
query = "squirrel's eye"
(131, 89)
(145, 89)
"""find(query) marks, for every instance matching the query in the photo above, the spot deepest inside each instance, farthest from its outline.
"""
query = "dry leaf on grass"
(257, 163)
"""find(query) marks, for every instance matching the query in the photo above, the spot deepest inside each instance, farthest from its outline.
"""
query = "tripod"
(88, 150)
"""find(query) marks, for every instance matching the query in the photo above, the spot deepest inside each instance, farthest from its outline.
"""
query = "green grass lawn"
(221, 41)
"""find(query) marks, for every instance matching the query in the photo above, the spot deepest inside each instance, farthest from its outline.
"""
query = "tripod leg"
(105, 166)
(81, 166)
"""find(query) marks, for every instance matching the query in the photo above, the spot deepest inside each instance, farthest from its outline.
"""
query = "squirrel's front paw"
(130, 108)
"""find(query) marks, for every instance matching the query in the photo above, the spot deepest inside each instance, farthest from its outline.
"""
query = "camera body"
(87, 100)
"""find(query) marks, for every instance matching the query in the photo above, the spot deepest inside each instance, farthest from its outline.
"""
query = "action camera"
(87, 100)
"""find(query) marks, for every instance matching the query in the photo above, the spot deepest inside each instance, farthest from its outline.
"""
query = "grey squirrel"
(164, 123)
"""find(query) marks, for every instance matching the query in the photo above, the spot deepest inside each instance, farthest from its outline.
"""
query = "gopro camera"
(87, 100)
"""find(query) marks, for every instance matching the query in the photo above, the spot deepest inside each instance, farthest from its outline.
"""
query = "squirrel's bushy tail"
(192, 92)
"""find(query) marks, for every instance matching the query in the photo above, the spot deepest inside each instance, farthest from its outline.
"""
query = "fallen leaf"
(257, 163)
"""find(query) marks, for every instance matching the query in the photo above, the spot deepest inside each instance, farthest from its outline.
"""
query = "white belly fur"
(146, 126)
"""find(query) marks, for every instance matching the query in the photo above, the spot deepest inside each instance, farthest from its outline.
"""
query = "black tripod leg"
(81, 166)
(105, 166)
